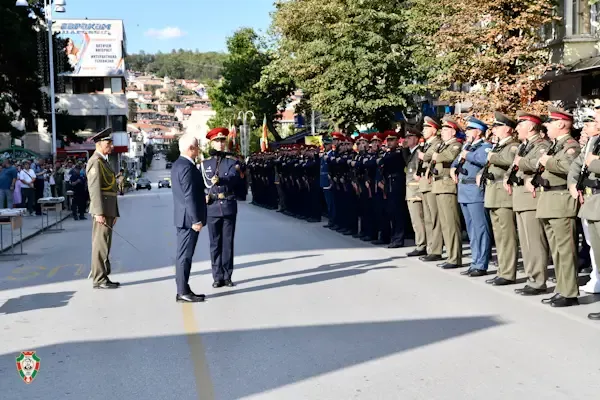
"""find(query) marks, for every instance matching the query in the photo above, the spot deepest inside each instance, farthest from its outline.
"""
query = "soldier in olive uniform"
(556, 208)
(584, 185)
(499, 202)
(532, 238)
(471, 197)
(414, 197)
(445, 192)
(433, 230)
(102, 188)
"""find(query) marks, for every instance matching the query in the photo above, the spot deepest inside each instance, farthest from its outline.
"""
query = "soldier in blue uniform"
(221, 172)
(465, 168)
(325, 182)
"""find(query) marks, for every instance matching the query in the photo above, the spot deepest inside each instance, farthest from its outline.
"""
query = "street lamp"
(245, 134)
(60, 8)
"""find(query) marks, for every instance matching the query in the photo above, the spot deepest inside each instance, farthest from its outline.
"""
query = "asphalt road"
(315, 315)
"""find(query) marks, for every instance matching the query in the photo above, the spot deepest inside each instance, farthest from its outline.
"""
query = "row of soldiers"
(521, 182)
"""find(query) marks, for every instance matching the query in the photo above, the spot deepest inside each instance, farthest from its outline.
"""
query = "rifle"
(462, 160)
(485, 174)
(512, 176)
(585, 172)
(420, 169)
(432, 169)
(537, 180)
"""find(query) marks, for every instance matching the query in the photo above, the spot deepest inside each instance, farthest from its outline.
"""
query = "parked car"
(165, 182)
(143, 183)
(168, 165)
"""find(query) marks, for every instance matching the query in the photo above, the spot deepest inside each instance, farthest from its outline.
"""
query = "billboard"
(94, 47)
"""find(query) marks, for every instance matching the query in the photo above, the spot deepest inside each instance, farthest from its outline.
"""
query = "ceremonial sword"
(121, 236)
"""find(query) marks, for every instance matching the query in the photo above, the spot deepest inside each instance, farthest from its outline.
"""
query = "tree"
(173, 152)
(24, 70)
(181, 64)
(494, 48)
(350, 56)
(131, 110)
(170, 109)
(240, 89)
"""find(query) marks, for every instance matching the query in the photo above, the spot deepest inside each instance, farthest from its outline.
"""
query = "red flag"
(264, 143)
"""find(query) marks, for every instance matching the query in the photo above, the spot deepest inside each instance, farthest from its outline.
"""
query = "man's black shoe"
(431, 257)
(218, 284)
(229, 283)
(416, 253)
(477, 272)
(106, 285)
(189, 298)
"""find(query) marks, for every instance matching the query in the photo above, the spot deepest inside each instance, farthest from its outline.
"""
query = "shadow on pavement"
(36, 301)
(242, 362)
(209, 272)
(305, 280)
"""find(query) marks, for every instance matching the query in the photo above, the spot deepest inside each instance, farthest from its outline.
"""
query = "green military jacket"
(535, 147)
(558, 203)
(102, 187)
(500, 161)
(412, 185)
(442, 182)
(590, 209)
(429, 148)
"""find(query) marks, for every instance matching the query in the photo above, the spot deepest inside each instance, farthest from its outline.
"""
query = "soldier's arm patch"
(92, 171)
(570, 151)
(487, 150)
(514, 148)
(456, 147)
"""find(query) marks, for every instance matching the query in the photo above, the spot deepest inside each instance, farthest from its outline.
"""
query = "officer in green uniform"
(433, 229)
(584, 185)
(532, 238)
(414, 197)
(556, 208)
(499, 202)
(445, 192)
(102, 188)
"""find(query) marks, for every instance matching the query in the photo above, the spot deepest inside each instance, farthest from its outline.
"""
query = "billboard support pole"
(48, 12)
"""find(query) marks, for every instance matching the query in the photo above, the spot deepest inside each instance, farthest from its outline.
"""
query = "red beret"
(390, 134)
(217, 133)
(338, 136)
(378, 136)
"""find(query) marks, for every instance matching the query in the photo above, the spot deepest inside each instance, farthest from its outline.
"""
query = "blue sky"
(153, 25)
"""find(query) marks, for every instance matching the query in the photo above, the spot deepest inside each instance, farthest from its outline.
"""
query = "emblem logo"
(28, 365)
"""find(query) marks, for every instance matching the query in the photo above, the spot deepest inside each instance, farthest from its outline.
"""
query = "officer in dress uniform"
(586, 171)
(445, 192)
(532, 238)
(102, 188)
(221, 173)
(556, 208)
(465, 168)
(393, 165)
(499, 202)
(414, 197)
(433, 229)
(380, 228)
(325, 182)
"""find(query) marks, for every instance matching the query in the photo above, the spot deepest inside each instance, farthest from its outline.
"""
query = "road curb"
(33, 234)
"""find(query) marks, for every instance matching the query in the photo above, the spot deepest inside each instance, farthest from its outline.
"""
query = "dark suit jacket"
(188, 194)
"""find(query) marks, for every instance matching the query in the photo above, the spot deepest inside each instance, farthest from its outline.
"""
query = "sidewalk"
(32, 226)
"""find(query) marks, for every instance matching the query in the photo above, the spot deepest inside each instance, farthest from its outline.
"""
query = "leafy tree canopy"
(24, 70)
(179, 64)
(240, 89)
(352, 57)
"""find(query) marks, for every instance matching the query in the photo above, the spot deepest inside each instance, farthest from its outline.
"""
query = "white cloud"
(169, 32)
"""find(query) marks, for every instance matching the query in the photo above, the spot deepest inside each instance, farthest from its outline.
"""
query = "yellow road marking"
(204, 386)
(22, 278)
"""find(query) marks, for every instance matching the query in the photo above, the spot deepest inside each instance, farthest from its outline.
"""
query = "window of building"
(578, 17)
(87, 85)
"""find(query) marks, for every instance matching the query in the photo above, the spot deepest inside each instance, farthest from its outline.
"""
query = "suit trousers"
(221, 231)
(505, 235)
(433, 230)
(450, 223)
(534, 248)
(328, 193)
(415, 209)
(560, 234)
(480, 235)
(101, 244)
(186, 245)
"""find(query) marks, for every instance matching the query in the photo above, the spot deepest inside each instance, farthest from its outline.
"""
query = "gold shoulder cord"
(107, 176)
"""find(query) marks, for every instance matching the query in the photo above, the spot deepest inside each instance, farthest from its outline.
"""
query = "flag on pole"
(234, 145)
(264, 143)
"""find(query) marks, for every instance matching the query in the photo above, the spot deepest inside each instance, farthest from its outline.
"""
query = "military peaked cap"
(106, 134)
(504, 120)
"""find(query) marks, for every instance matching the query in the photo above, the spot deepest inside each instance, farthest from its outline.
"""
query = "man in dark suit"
(190, 214)
(221, 176)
